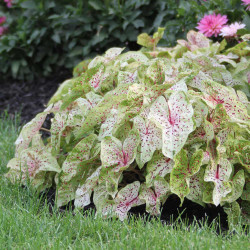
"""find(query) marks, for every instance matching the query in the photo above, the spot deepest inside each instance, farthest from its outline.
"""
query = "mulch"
(31, 98)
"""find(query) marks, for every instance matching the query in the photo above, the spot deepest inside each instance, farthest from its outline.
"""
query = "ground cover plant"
(136, 127)
(24, 216)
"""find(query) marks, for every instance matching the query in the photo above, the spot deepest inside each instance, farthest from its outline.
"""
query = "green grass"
(26, 223)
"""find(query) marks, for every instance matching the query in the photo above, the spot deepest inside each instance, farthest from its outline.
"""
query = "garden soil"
(28, 99)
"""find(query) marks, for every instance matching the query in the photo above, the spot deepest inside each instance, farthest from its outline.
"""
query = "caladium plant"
(133, 128)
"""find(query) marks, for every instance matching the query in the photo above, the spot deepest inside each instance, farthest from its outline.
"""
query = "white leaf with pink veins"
(151, 139)
(84, 192)
(174, 118)
(158, 166)
(126, 199)
(114, 153)
(153, 198)
(220, 177)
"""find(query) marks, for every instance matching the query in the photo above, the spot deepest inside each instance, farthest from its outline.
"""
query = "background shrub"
(45, 36)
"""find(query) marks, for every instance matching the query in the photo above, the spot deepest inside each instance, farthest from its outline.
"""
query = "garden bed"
(29, 98)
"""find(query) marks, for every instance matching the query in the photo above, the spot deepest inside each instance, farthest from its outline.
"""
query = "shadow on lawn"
(171, 211)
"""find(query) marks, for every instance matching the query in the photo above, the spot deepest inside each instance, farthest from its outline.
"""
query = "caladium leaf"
(196, 187)
(69, 121)
(155, 73)
(159, 165)
(83, 193)
(104, 206)
(237, 184)
(111, 180)
(61, 91)
(204, 133)
(125, 77)
(32, 166)
(233, 212)
(206, 158)
(149, 197)
(98, 76)
(219, 118)
(239, 152)
(151, 139)
(241, 49)
(32, 128)
(112, 53)
(217, 94)
(58, 125)
(114, 153)
(81, 67)
(150, 42)
(153, 198)
(75, 168)
(137, 56)
(99, 113)
(214, 154)
(228, 59)
(207, 196)
(38, 142)
(220, 177)
(183, 170)
(174, 118)
(180, 86)
(196, 40)
(96, 62)
(200, 112)
(93, 98)
(153, 92)
(108, 125)
(162, 188)
(126, 199)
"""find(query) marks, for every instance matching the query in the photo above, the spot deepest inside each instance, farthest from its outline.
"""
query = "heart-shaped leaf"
(174, 118)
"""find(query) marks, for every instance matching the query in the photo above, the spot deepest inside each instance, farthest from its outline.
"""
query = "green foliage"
(45, 36)
(143, 127)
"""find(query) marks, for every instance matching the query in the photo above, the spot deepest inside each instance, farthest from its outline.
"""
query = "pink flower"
(212, 24)
(2, 19)
(247, 3)
(9, 3)
(231, 30)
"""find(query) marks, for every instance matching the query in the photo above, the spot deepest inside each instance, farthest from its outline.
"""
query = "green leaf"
(233, 212)
(237, 184)
(183, 169)
(80, 161)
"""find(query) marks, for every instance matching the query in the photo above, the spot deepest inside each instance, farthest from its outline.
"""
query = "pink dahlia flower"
(212, 24)
(2, 19)
(231, 30)
(247, 3)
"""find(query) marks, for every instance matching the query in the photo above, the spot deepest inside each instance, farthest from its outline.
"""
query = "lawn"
(27, 223)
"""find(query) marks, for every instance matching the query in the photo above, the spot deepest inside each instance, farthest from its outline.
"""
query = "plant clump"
(136, 127)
